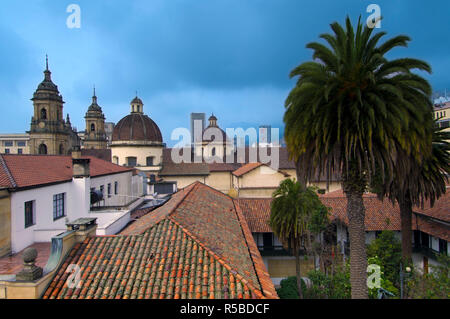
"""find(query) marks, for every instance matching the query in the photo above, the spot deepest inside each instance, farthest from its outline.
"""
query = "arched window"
(131, 161)
(61, 149)
(43, 114)
(213, 151)
(92, 127)
(42, 149)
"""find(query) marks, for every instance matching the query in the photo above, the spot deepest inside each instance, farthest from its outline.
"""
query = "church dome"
(213, 132)
(137, 126)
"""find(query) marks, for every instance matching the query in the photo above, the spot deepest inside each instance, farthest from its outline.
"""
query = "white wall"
(76, 206)
(125, 193)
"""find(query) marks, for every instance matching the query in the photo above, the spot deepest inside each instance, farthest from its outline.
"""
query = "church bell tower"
(49, 133)
(95, 136)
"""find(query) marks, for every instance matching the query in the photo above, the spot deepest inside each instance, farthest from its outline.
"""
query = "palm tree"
(292, 207)
(352, 110)
(422, 182)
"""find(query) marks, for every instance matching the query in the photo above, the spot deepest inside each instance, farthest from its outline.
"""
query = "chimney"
(80, 166)
(76, 151)
(30, 271)
(83, 227)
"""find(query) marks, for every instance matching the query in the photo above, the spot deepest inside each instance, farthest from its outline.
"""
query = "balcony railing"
(275, 251)
(426, 251)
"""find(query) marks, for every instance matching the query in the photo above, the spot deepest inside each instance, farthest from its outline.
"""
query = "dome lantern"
(137, 106)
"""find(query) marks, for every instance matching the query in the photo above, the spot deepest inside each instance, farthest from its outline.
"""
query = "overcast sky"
(229, 57)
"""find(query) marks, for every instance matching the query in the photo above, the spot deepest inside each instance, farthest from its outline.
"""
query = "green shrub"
(288, 288)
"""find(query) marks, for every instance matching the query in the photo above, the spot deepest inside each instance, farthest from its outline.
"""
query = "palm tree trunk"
(406, 226)
(297, 270)
(358, 256)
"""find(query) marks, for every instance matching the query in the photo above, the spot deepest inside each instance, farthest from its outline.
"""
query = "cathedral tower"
(95, 137)
(49, 133)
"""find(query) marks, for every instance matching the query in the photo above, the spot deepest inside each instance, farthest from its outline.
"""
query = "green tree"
(418, 183)
(352, 110)
(387, 248)
(292, 207)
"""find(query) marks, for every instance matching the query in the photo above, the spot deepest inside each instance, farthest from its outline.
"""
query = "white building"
(46, 192)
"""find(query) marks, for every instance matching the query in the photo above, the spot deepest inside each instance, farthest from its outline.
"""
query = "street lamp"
(402, 275)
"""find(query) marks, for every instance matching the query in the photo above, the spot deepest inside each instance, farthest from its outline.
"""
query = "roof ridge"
(8, 172)
(220, 260)
(183, 197)
(216, 190)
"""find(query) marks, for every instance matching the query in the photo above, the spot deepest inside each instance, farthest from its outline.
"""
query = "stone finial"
(30, 271)
(29, 255)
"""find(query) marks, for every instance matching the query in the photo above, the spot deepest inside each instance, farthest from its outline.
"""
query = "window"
(6, 150)
(58, 206)
(109, 190)
(213, 151)
(43, 114)
(29, 214)
(442, 246)
(19, 151)
(42, 149)
(21, 143)
(267, 240)
(150, 161)
(61, 149)
(115, 160)
(116, 188)
(102, 189)
(131, 161)
(425, 240)
(8, 143)
(92, 127)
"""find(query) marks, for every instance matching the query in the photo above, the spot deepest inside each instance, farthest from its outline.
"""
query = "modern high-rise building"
(198, 123)
(265, 134)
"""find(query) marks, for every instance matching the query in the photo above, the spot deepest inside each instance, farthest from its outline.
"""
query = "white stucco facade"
(76, 205)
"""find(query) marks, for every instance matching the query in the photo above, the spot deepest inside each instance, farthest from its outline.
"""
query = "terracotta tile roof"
(211, 217)
(246, 168)
(223, 167)
(431, 227)
(6, 179)
(189, 169)
(163, 263)
(34, 170)
(380, 215)
(440, 209)
(256, 212)
(197, 245)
